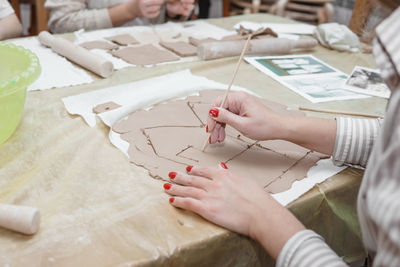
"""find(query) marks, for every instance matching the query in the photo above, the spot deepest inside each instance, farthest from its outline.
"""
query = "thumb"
(222, 115)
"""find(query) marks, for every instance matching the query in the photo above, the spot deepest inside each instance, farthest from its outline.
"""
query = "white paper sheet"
(153, 35)
(284, 30)
(56, 70)
(145, 93)
(315, 175)
(138, 95)
(306, 75)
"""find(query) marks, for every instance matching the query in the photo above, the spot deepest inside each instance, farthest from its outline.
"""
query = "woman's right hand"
(145, 8)
(246, 114)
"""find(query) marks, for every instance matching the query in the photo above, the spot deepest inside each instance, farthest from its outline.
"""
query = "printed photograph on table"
(367, 81)
(290, 66)
(307, 76)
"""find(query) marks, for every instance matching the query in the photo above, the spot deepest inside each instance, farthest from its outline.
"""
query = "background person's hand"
(145, 8)
(246, 114)
(235, 203)
(180, 7)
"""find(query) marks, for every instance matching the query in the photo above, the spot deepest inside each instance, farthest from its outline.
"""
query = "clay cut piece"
(195, 42)
(123, 39)
(144, 55)
(161, 141)
(99, 45)
(180, 48)
(105, 107)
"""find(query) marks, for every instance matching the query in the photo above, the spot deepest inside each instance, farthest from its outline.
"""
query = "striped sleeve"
(306, 248)
(354, 140)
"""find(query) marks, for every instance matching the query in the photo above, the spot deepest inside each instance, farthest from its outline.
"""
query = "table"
(100, 210)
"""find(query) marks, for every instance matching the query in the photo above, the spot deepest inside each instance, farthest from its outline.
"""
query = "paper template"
(307, 76)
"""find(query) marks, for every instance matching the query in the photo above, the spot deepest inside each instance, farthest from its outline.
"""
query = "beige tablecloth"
(100, 210)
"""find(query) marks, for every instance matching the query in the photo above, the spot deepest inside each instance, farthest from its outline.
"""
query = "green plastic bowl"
(19, 68)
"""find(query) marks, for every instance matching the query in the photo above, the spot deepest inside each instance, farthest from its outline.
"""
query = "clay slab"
(99, 45)
(195, 42)
(123, 39)
(169, 137)
(180, 48)
(144, 55)
(105, 107)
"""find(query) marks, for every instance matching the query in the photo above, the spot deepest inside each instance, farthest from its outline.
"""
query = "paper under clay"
(144, 55)
(169, 137)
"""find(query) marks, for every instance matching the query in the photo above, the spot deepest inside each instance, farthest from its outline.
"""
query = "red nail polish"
(209, 140)
(167, 186)
(171, 199)
(223, 165)
(189, 168)
(207, 129)
(172, 175)
(214, 112)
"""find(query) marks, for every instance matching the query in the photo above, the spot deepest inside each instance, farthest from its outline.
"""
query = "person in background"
(72, 15)
(10, 26)
(240, 205)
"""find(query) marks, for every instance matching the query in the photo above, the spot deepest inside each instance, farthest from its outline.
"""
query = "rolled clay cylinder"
(77, 54)
(270, 46)
(21, 219)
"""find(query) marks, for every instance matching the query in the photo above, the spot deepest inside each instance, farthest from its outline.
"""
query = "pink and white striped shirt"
(376, 145)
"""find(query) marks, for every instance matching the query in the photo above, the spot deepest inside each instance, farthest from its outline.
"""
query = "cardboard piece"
(169, 137)
(180, 48)
(99, 45)
(123, 39)
(144, 55)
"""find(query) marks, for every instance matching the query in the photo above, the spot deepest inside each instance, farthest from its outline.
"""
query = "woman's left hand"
(180, 7)
(235, 203)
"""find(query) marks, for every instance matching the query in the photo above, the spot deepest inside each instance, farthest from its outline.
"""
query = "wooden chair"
(235, 7)
(39, 15)
(310, 11)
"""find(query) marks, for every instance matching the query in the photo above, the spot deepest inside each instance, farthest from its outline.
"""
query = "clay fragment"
(99, 45)
(177, 36)
(162, 142)
(123, 39)
(144, 55)
(180, 48)
(105, 107)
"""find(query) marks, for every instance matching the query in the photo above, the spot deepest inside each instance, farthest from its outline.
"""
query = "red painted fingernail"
(207, 129)
(172, 175)
(209, 140)
(167, 186)
(189, 168)
(214, 112)
(171, 199)
(223, 165)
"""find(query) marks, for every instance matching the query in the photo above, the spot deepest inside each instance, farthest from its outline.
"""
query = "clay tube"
(270, 46)
(77, 54)
(21, 219)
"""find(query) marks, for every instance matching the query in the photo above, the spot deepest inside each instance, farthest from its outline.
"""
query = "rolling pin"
(20, 219)
(77, 54)
(268, 46)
